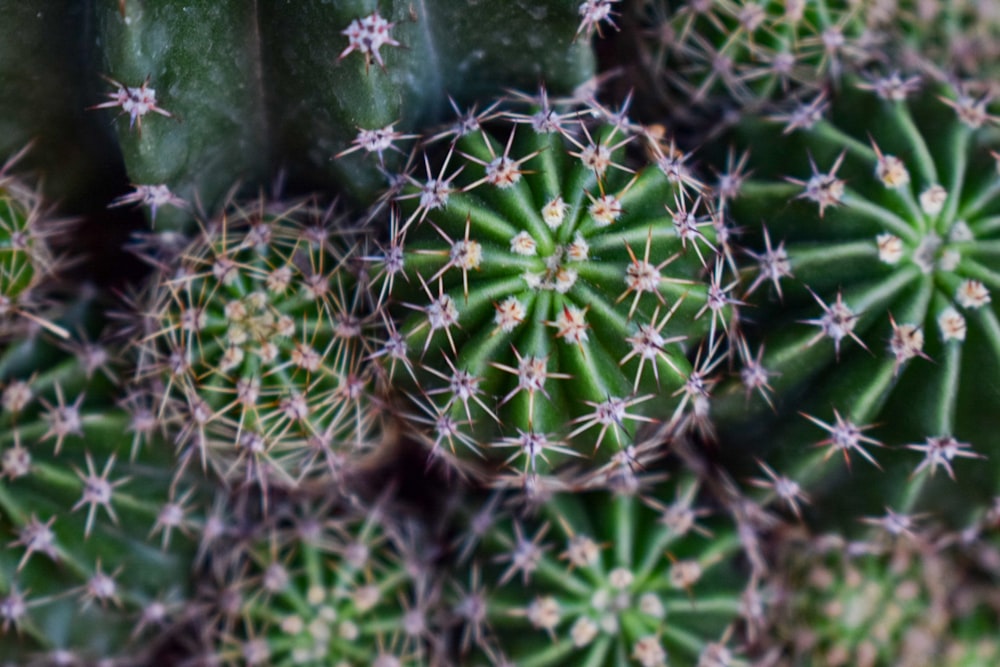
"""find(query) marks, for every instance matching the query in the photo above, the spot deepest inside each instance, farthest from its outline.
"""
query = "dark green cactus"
(258, 345)
(873, 255)
(97, 533)
(547, 286)
(211, 93)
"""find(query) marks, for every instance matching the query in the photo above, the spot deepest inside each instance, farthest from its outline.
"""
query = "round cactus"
(754, 52)
(601, 578)
(328, 585)
(547, 288)
(890, 600)
(259, 347)
(873, 254)
(96, 530)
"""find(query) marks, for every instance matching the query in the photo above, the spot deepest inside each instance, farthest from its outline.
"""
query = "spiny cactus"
(547, 287)
(96, 531)
(628, 577)
(259, 344)
(26, 258)
(327, 584)
(888, 600)
(753, 53)
(210, 93)
(873, 252)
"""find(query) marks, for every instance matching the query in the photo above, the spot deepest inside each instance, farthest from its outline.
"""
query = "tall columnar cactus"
(210, 92)
(26, 258)
(873, 255)
(601, 578)
(258, 345)
(547, 286)
(332, 585)
(96, 532)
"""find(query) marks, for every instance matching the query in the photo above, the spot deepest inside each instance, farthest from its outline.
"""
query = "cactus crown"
(258, 343)
(547, 284)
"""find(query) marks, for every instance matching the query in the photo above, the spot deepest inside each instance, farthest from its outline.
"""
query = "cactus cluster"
(699, 375)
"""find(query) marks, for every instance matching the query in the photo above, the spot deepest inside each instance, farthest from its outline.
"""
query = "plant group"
(687, 358)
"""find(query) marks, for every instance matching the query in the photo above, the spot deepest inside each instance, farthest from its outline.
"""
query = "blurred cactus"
(97, 556)
(332, 584)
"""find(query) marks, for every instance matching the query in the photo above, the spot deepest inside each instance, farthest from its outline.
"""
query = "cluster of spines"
(258, 342)
(543, 292)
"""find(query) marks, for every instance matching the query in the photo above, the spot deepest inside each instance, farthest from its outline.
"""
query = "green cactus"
(547, 287)
(873, 253)
(603, 578)
(327, 584)
(889, 600)
(753, 53)
(97, 556)
(258, 346)
(26, 258)
(211, 93)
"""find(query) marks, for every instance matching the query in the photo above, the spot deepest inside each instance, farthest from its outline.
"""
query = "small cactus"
(546, 287)
(329, 585)
(96, 531)
(631, 577)
(872, 261)
(258, 345)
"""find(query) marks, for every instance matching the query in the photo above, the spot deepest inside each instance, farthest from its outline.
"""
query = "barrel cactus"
(258, 346)
(886, 600)
(872, 258)
(634, 576)
(330, 584)
(546, 286)
(97, 532)
(212, 93)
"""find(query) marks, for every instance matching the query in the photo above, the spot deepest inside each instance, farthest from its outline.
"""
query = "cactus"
(545, 290)
(888, 600)
(332, 584)
(211, 93)
(872, 259)
(753, 53)
(97, 537)
(26, 258)
(636, 576)
(258, 346)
